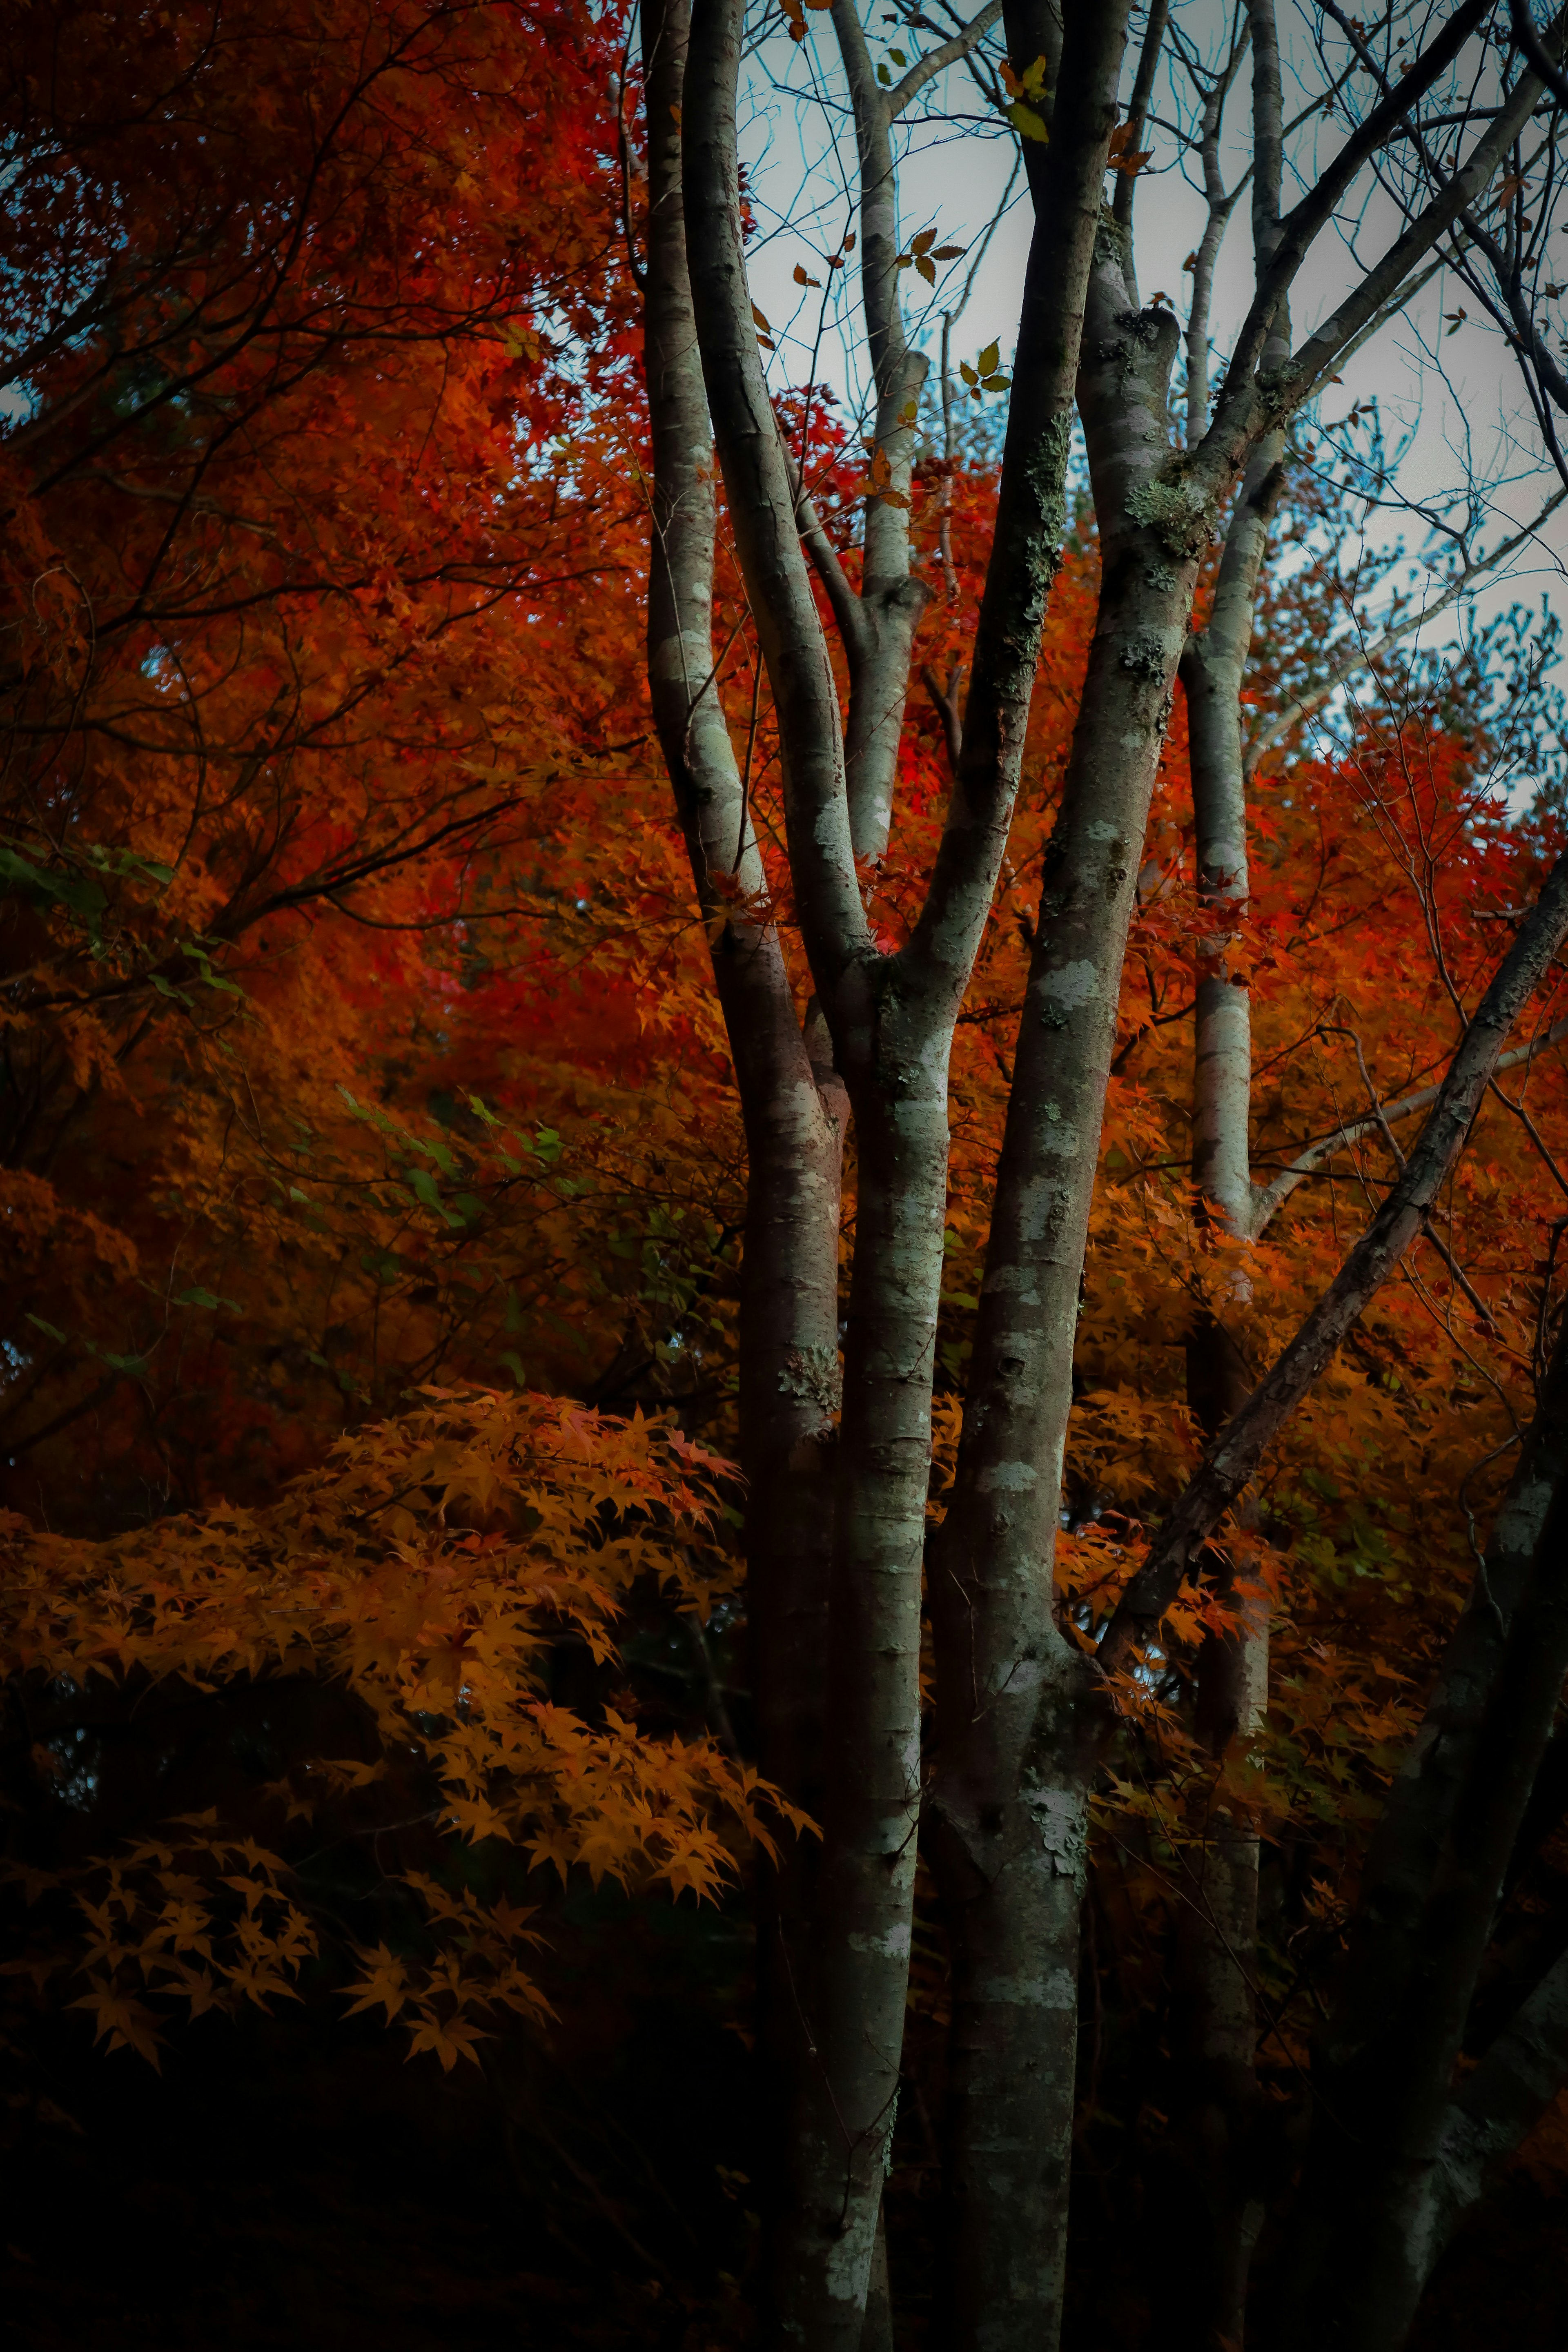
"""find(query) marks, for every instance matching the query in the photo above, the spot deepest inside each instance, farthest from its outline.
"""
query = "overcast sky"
(1447, 386)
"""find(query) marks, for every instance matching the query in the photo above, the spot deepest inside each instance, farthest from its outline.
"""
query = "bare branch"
(935, 61)
(1138, 105)
(1270, 1198)
(1324, 347)
(805, 699)
(1529, 40)
(1232, 1461)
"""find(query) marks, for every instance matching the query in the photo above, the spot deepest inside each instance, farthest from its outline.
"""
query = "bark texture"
(1010, 1800)
(891, 1019)
(1220, 2116)
(792, 1100)
(1019, 1738)
(1497, 2107)
(880, 631)
(1021, 1719)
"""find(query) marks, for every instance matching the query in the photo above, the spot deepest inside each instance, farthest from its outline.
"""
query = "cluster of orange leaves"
(428, 1569)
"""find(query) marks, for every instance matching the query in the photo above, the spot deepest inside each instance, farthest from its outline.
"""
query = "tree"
(284, 461)
(382, 1029)
(1022, 1723)
(292, 863)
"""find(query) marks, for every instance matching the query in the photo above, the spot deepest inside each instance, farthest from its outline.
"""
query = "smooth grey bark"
(1378, 2185)
(877, 625)
(1021, 1727)
(892, 1018)
(882, 629)
(844, 2109)
(1135, 123)
(876, 2332)
(791, 1101)
(1009, 1802)
(1216, 1925)
(1220, 204)
(794, 1101)
(877, 622)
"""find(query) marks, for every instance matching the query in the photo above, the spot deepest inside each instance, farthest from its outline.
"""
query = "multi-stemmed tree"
(284, 467)
(837, 1512)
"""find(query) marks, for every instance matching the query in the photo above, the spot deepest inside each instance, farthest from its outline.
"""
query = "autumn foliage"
(373, 1182)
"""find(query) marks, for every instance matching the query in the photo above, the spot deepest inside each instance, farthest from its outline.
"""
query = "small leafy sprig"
(985, 375)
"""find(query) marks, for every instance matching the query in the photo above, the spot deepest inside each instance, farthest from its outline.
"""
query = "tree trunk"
(1498, 2105)
(791, 1100)
(1018, 1739)
(1020, 1717)
(1216, 1925)
(880, 628)
(1014, 1696)
(891, 1022)
(1216, 1929)
(891, 1017)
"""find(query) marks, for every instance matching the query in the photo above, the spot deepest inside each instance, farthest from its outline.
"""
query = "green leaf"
(1026, 123)
(424, 1186)
(126, 861)
(986, 362)
(83, 897)
(206, 1299)
(46, 1328)
(199, 955)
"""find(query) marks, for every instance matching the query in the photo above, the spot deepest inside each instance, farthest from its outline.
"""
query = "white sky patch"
(1448, 389)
